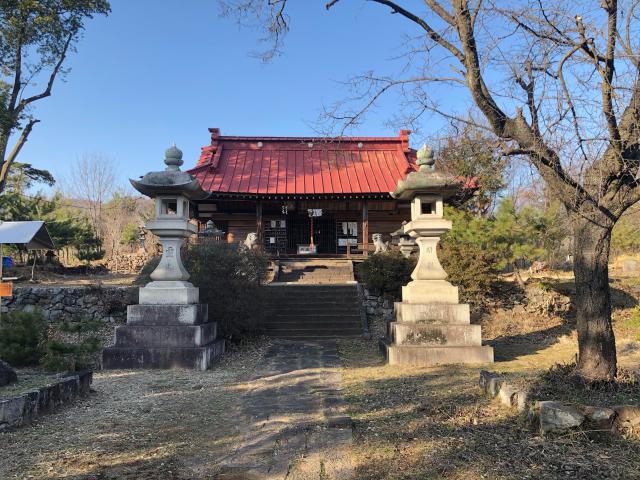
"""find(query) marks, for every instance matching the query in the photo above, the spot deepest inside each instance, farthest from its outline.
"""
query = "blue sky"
(155, 72)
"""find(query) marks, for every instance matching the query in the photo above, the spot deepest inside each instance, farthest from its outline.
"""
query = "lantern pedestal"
(169, 328)
(431, 327)
(164, 335)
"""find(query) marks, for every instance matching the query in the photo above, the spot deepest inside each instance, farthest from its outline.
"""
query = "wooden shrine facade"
(290, 189)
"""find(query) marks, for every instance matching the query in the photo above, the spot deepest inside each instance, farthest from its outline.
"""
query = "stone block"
(7, 374)
(432, 313)
(599, 418)
(85, 379)
(197, 358)
(165, 335)
(437, 334)
(485, 378)
(520, 400)
(429, 291)
(167, 314)
(627, 416)
(11, 412)
(169, 293)
(557, 417)
(68, 389)
(429, 356)
(493, 386)
(30, 407)
(507, 394)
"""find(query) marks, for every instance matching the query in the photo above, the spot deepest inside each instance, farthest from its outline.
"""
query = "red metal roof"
(303, 166)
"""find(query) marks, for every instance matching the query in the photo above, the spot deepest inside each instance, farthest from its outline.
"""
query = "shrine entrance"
(324, 233)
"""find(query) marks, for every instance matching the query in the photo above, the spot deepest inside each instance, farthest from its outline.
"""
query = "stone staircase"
(313, 312)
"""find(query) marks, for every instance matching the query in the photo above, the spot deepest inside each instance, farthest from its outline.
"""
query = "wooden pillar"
(259, 229)
(365, 228)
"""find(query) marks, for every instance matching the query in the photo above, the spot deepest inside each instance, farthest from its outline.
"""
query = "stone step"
(167, 314)
(311, 298)
(294, 287)
(311, 302)
(277, 325)
(435, 334)
(452, 313)
(310, 309)
(198, 358)
(317, 336)
(180, 336)
(316, 317)
(417, 355)
(310, 328)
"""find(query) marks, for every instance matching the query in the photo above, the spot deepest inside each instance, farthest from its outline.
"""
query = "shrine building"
(304, 195)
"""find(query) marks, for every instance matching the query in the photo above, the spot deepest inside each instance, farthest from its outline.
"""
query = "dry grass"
(432, 423)
(428, 423)
(137, 425)
(27, 381)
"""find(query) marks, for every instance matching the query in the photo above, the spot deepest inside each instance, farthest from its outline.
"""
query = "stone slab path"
(292, 417)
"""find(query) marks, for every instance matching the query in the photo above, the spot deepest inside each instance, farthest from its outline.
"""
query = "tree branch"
(6, 165)
(17, 79)
(572, 108)
(611, 7)
(54, 73)
(433, 35)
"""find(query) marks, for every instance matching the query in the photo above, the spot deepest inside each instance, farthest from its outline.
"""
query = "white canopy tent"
(32, 234)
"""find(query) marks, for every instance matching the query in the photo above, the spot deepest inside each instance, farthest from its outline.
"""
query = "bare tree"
(35, 39)
(92, 180)
(558, 83)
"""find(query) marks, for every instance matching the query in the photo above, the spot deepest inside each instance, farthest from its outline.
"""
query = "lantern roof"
(171, 181)
(427, 180)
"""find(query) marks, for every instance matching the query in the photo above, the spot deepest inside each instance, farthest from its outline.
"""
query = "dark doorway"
(324, 233)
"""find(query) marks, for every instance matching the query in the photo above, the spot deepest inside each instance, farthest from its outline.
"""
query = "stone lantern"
(403, 240)
(431, 326)
(169, 328)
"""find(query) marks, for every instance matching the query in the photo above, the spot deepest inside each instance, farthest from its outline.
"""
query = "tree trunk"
(596, 340)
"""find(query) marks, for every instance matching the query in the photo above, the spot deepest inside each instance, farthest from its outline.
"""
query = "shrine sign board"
(6, 289)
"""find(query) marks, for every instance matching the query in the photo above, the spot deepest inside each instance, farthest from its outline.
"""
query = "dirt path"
(294, 426)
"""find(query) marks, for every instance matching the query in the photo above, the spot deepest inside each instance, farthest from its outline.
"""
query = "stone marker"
(169, 328)
(431, 326)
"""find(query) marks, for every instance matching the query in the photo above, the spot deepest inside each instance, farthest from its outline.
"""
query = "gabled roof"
(282, 166)
(33, 234)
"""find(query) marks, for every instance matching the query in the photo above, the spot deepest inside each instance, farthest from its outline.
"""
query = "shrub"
(68, 357)
(22, 337)
(469, 267)
(386, 273)
(230, 281)
(78, 350)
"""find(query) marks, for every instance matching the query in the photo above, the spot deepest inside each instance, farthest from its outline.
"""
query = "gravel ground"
(137, 425)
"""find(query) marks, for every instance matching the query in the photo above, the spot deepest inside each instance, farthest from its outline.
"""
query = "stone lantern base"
(432, 328)
(168, 329)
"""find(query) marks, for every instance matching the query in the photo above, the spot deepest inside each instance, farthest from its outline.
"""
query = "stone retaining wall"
(106, 303)
(22, 409)
(379, 310)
